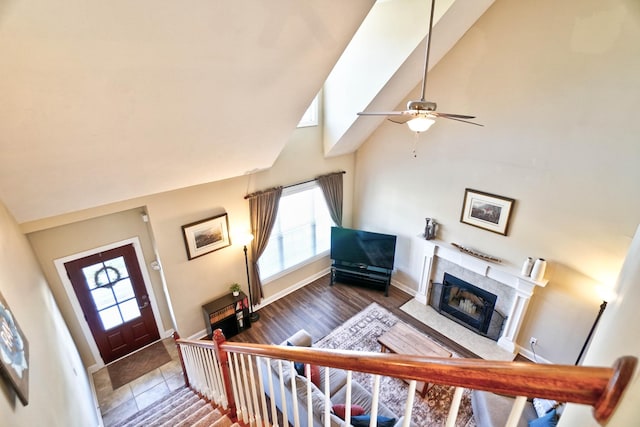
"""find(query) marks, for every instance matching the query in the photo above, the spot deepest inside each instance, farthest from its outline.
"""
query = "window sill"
(293, 268)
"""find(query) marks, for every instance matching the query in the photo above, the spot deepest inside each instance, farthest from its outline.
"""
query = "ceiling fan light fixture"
(420, 124)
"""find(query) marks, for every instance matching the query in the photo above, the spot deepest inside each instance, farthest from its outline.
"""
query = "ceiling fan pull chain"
(415, 144)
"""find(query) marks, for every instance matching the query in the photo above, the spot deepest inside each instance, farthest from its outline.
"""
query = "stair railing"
(237, 384)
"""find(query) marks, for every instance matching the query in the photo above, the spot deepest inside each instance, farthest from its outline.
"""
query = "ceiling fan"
(421, 114)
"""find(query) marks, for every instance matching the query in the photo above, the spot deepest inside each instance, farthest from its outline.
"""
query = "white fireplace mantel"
(523, 287)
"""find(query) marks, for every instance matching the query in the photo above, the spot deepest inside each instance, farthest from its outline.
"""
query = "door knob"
(146, 302)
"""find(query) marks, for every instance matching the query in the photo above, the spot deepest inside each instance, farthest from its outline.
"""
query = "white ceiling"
(106, 101)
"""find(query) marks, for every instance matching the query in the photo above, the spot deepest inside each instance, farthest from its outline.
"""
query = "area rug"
(137, 364)
(360, 333)
(483, 347)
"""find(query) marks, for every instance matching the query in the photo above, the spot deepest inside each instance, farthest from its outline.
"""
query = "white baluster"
(455, 405)
(224, 402)
(294, 405)
(307, 371)
(327, 400)
(209, 378)
(516, 411)
(188, 364)
(262, 388)
(274, 421)
(237, 390)
(245, 390)
(283, 398)
(198, 365)
(218, 391)
(254, 391)
(408, 409)
(374, 400)
(347, 412)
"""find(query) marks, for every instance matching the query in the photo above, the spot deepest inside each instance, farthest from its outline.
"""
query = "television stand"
(361, 274)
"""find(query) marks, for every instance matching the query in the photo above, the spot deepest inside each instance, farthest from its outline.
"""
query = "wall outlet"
(533, 341)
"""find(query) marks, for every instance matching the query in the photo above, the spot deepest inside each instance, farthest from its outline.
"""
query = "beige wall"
(188, 284)
(59, 392)
(70, 239)
(615, 336)
(557, 90)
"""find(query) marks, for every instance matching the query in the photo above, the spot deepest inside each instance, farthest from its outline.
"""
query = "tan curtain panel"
(263, 209)
(331, 186)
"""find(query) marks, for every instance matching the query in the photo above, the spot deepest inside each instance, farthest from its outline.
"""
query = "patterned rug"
(360, 333)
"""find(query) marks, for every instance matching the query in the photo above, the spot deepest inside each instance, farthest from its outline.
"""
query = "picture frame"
(14, 353)
(487, 211)
(207, 235)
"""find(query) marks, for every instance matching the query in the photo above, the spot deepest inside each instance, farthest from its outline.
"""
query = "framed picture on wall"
(207, 235)
(14, 353)
(488, 211)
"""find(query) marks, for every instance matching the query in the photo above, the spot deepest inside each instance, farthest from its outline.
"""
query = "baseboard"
(94, 396)
(283, 293)
(404, 288)
(531, 356)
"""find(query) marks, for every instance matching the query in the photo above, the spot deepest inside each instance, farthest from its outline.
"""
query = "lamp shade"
(420, 123)
(606, 293)
(243, 239)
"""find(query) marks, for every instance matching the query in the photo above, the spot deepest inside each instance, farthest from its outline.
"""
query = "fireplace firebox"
(467, 304)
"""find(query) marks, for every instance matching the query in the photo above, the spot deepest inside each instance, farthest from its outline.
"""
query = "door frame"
(77, 309)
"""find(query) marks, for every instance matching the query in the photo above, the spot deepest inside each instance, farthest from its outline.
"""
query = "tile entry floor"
(119, 404)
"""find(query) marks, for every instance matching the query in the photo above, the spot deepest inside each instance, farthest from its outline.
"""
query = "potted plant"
(235, 289)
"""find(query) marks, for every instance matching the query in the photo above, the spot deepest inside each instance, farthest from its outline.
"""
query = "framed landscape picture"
(14, 353)
(487, 211)
(207, 235)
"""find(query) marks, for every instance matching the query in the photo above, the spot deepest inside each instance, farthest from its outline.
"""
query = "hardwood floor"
(319, 308)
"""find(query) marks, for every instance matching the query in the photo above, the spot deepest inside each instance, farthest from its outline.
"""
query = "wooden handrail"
(598, 387)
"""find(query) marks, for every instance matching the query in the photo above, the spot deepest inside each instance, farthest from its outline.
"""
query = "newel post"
(176, 337)
(223, 358)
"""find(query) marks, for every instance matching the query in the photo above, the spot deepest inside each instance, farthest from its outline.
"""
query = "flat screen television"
(363, 248)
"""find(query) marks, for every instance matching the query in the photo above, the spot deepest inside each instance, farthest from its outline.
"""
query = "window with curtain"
(301, 234)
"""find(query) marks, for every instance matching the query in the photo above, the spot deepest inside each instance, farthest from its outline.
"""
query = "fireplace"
(468, 305)
(514, 291)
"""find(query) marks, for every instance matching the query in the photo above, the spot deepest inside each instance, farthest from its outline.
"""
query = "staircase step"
(177, 416)
(224, 422)
(166, 404)
(181, 408)
(172, 418)
(211, 419)
(195, 416)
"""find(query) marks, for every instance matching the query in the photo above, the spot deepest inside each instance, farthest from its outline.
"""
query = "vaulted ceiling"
(106, 101)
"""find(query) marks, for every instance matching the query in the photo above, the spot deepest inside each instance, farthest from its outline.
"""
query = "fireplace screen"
(466, 303)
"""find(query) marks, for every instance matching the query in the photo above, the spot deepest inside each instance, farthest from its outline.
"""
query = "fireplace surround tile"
(514, 291)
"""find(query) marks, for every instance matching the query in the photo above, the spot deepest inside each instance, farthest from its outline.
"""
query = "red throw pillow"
(315, 375)
(340, 410)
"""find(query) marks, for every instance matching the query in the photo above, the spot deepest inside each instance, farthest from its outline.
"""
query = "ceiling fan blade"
(381, 113)
(453, 116)
(460, 120)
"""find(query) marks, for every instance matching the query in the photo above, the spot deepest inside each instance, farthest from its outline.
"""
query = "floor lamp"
(254, 317)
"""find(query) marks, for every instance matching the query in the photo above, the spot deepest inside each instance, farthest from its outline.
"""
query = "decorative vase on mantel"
(527, 267)
(538, 270)
(430, 228)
